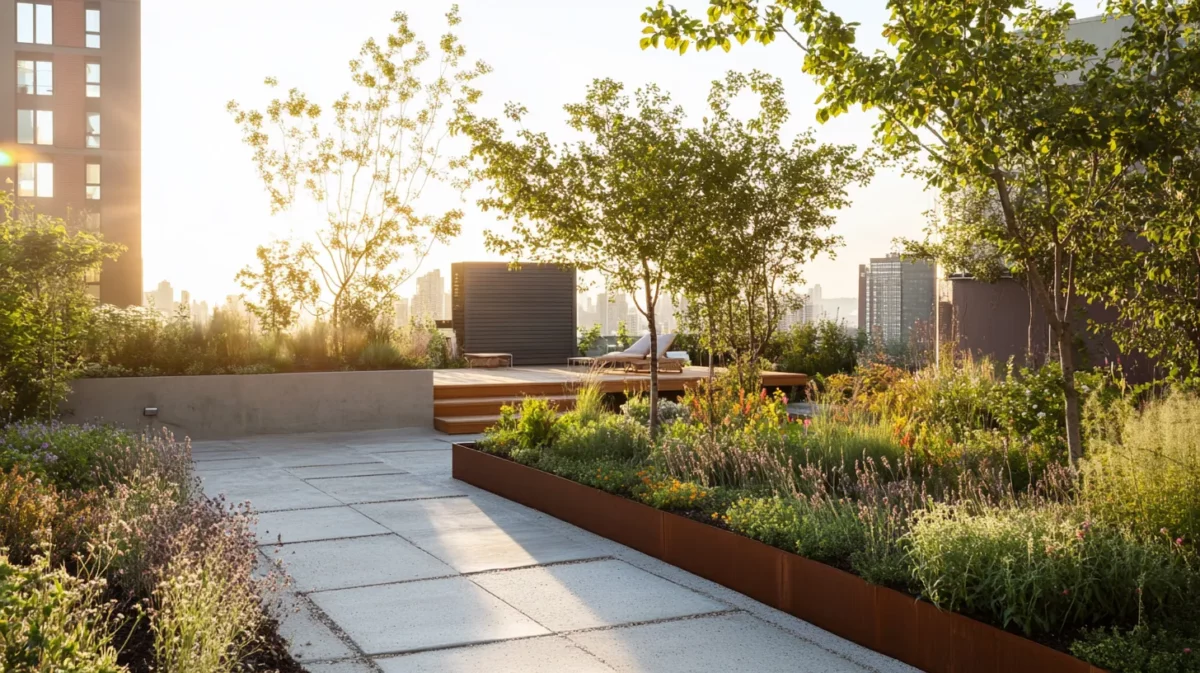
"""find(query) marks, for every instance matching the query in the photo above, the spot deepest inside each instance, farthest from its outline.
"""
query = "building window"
(35, 180)
(35, 77)
(35, 127)
(92, 25)
(92, 221)
(93, 181)
(93, 80)
(93, 130)
(35, 23)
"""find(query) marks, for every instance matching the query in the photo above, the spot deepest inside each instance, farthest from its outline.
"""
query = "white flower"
(1041, 414)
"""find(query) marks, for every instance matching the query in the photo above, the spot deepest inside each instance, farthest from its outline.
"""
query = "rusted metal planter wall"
(887, 621)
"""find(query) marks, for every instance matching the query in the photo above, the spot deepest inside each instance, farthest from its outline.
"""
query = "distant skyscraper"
(429, 302)
(898, 295)
(163, 298)
(400, 308)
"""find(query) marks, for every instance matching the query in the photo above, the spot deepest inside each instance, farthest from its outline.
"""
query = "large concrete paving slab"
(507, 546)
(736, 643)
(577, 596)
(308, 525)
(550, 654)
(363, 467)
(415, 517)
(351, 666)
(308, 638)
(412, 446)
(266, 490)
(382, 488)
(423, 615)
(419, 462)
(224, 463)
(354, 562)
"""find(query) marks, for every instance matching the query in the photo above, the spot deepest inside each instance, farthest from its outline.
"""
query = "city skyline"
(221, 233)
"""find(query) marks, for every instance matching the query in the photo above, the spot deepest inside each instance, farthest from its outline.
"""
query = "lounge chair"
(665, 363)
(640, 350)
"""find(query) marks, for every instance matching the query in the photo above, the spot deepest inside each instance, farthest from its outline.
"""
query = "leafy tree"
(624, 338)
(45, 310)
(617, 201)
(367, 159)
(988, 96)
(284, 285)
(1153, 282)
(763, 210)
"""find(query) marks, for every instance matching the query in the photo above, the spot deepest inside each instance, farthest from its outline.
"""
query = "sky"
(205, 209)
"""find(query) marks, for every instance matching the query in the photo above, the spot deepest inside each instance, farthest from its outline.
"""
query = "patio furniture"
(638, 351)
(489, 360)
(635, 364)
(580, 361)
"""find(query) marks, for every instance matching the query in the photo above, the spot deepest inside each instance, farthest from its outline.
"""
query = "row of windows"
(37, 180)
(36, 127)
(35, 24)
(37, 78)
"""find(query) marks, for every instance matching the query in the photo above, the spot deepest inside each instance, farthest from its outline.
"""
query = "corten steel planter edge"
(887, 621)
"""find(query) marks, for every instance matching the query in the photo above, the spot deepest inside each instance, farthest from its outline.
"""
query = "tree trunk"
(1066, 355)
(1060, 325)
(712, 340)
(652, 323)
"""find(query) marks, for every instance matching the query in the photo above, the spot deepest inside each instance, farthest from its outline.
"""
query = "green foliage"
(365, 159)
(624, 338)
(85, 457)
(144, 342)
(522, 434)
(45, 310)
(637, 408)
(589, 400)
(589, 339)
(818, 349)
(1148, 476)
(51, 621)
(284, 286)
(1045, 569)
(609, 437)
(1142, 649)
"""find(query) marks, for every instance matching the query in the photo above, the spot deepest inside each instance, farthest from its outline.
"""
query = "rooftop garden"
(951, 483)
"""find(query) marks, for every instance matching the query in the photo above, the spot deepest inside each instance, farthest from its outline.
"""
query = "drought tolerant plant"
(51, 621)
(1148, 476)
(1045, 569)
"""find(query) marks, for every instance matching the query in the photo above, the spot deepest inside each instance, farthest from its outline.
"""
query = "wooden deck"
(467, 401)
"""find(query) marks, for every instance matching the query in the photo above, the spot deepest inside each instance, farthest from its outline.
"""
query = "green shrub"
(1043, 569)
(522, 435)
(88, 457)
(1142, 649)
(35, 517)
(609, 437)
(818, 349)
(51, 621)
(822, 530)
(637, 407)
(1150, 477)
(614, 477)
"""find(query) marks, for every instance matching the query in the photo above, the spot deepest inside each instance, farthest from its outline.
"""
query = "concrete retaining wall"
(215, 407)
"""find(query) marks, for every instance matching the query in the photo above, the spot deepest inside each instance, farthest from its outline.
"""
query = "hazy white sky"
(204, 209)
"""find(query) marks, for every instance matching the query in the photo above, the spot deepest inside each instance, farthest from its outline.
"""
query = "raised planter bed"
(890, 622)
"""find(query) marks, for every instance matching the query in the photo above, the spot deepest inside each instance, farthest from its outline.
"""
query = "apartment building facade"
(70, 123)
(895, 295)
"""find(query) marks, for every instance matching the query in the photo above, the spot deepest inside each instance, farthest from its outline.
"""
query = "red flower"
(1066, 592)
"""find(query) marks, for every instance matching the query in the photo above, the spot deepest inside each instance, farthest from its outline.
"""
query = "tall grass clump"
(1148, 475)
(1045, 569)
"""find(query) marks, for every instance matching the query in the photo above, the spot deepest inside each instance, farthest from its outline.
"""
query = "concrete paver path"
(398, 568)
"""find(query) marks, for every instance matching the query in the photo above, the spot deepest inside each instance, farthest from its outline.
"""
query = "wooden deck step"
(515, 389)
(488, 406)
(465, 425)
